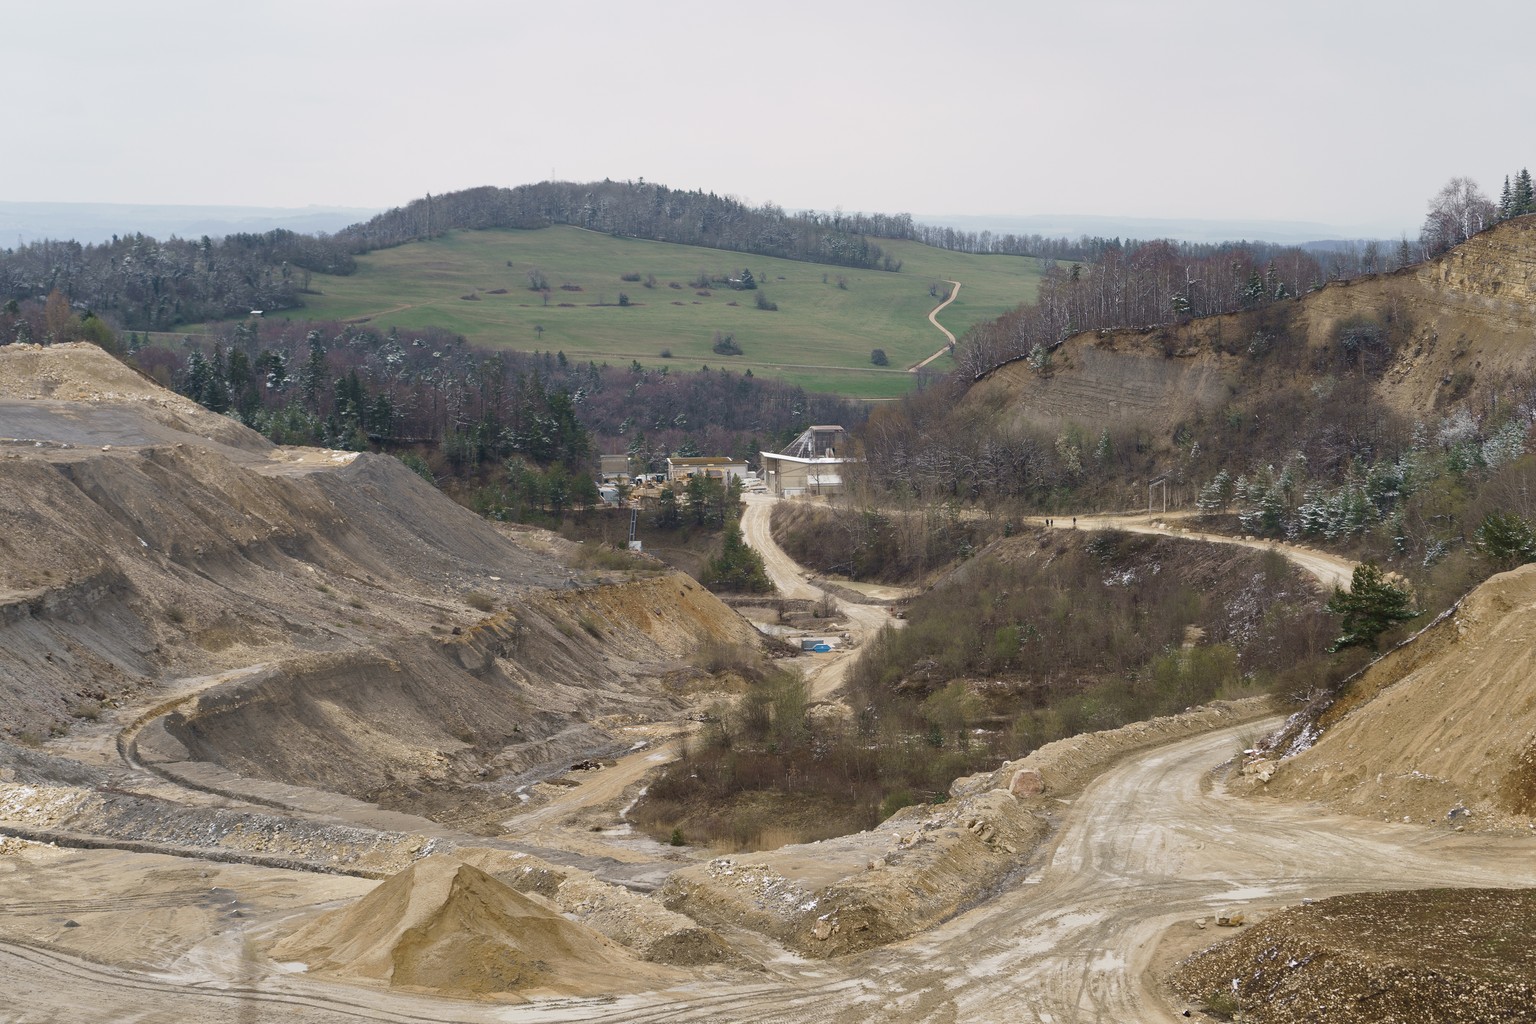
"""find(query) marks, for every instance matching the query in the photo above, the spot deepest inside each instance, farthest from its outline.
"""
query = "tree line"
(1460, 210)
(353, 386)
(638, 210)
(142, 283)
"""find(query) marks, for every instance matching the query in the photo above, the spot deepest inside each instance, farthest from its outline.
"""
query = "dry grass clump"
(606, 556)
(769, 771)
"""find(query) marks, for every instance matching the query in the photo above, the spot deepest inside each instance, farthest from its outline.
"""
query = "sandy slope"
(1442, 729)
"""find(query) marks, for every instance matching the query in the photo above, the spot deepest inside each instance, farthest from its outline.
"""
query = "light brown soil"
(444, 926)
(1140, 839)
(1440, 731)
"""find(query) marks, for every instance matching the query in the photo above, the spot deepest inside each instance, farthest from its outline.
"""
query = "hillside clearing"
(829, 319)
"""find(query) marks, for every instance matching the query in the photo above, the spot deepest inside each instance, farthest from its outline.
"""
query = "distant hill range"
(1305, 234)
(157, 274)
(22, 223)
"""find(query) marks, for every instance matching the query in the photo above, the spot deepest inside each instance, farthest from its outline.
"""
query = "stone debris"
(1026, 782)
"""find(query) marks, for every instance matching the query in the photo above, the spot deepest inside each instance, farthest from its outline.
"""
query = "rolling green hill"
(820, 337)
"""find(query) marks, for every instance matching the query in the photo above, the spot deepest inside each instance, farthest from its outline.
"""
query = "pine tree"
(1524, 198)
(1373, 604)
(1507, 539)
(737, 567)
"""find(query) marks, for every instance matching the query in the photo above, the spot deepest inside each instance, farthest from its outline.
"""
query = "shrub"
(879, 358)
(1507, 539)
(737, 567)
(895, 801)
(479, 601)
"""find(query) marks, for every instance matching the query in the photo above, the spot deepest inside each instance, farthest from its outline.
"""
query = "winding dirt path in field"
(933, 318)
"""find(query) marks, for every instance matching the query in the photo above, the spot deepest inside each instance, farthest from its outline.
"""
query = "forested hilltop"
(642, 210)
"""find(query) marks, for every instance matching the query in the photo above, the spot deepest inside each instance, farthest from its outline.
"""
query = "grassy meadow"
(820, 337)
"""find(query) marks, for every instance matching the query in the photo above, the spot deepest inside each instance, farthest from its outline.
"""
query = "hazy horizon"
(23, 223)
(1350, 115)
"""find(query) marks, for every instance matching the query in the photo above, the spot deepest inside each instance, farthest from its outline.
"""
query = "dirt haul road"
(1151, 847)
(1329, 570)
(824, 672)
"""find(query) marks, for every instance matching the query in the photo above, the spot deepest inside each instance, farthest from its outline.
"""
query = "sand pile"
(445, 926)
(1443, 729)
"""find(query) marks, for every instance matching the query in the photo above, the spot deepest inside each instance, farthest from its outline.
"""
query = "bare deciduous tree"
(1456, 213)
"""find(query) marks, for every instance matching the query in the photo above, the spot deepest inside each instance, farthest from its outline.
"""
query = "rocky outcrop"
(1466, 316)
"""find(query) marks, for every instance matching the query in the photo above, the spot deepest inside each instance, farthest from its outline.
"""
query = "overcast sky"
(1343, 112)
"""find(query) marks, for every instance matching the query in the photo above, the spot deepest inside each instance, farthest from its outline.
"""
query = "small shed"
(614, 468)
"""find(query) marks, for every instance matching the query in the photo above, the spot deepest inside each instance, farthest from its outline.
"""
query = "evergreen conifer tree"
(1524, 198)
(1373, 604)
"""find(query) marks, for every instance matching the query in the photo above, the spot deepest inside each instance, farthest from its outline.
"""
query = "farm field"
(820, 337)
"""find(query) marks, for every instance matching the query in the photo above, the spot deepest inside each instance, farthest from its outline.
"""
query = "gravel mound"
(1453, 956)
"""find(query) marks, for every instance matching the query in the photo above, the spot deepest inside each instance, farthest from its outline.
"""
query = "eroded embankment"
(1442, 729)
(927, 863)
(429, 724)
(123, 567)
(55, 800)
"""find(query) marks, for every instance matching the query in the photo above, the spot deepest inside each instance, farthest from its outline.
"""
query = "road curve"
(824, 673)
(1151, 846)
(1328, 569)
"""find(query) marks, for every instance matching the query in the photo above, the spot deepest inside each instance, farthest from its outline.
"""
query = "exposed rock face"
(1469, 315)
